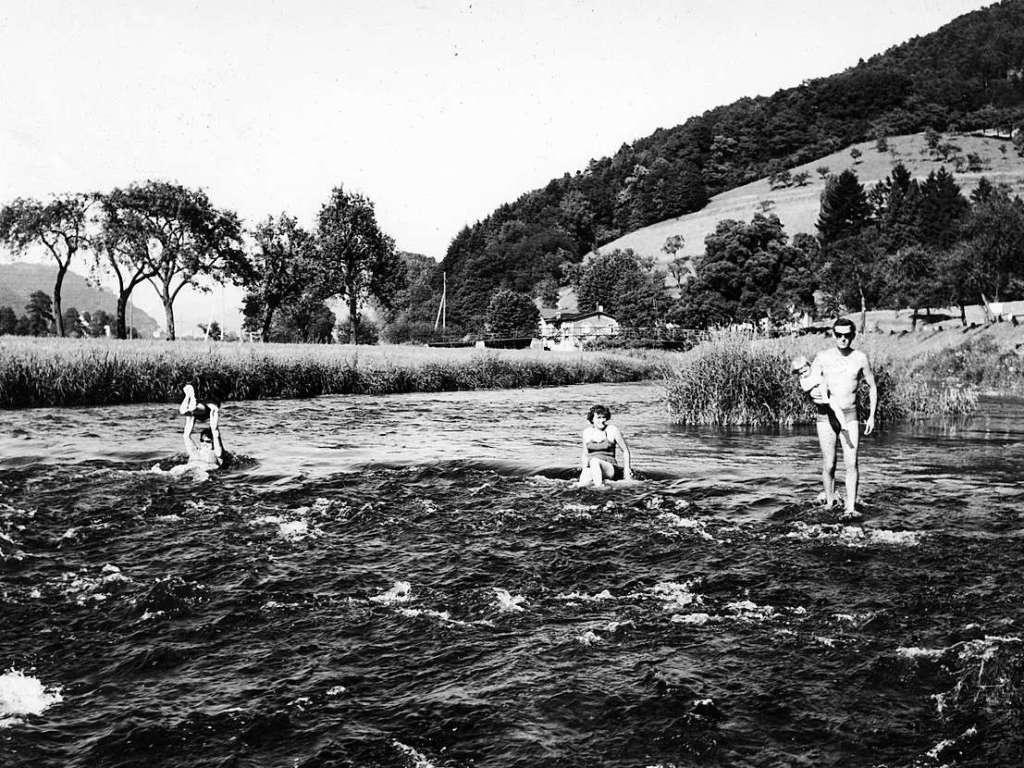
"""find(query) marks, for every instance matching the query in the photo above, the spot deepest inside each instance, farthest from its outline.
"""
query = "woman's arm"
(616, 435)
(190, 447)
(189, 402)
(218, 447)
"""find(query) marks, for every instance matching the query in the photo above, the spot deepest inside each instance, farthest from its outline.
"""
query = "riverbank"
(734, 379)
(43, 372)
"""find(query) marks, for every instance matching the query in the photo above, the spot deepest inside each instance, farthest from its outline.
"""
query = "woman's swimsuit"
(602, 449)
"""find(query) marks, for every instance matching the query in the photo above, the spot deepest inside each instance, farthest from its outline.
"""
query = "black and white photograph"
(476, 384)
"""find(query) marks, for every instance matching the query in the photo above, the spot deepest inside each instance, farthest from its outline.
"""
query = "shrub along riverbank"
(70, 372)
(736, 380)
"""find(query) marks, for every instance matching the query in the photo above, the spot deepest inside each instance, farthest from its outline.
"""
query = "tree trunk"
(169, 315)
(120, 327)
(58, 316)
(863, 312)
(913, 319)
(267, 320)
(963, 315)
(353, 319)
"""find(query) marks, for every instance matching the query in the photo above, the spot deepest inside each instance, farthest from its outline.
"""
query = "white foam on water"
(917, 653)
(22, 694)
(168, 518)
(443, 616)
(336, 690)
(854, 535)
(418, 759)
(945, 744)
(85, 588)
(696, 619)
(674, 595)
(699, 527)
(294, 530)
(748, 610)
(588, 639)
(507, 602)
(399, 593)
(289, 530)
(828, 642)
(604, 594)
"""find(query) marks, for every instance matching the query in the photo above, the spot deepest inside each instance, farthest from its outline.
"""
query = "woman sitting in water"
(597, 460)
(209, 453)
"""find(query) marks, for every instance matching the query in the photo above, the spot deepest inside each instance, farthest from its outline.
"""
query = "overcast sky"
(438, 111)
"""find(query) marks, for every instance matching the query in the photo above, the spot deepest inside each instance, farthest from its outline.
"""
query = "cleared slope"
(797, 207)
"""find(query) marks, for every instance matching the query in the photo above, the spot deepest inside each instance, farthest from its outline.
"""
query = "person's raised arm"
(189, 402)
(218, 447)
(869, 377)
(627, 467)
(190, 447)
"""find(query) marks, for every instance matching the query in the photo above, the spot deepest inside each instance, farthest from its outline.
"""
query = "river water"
(415, 581)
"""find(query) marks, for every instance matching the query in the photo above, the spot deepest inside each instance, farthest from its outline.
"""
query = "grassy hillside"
(18, 281)
(797, 207)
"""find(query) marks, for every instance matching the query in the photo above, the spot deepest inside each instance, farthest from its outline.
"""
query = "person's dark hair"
(842, 321)
(206, 435)
(598, 410)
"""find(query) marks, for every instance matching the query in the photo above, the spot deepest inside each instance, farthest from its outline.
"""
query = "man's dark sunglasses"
(839, 335)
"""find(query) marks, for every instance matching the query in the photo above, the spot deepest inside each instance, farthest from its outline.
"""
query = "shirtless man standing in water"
(841, 369)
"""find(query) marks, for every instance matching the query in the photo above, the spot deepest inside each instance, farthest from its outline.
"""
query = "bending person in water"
(841, 368)
(600, 440)
(209, 452)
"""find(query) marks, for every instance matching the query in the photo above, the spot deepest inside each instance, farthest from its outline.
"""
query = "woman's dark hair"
(206, 435)
(598, 410)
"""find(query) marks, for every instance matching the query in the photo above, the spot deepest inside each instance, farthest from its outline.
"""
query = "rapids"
(415, 581)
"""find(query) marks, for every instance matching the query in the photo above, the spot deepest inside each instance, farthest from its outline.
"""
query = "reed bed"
(736, 380)
(77, 372)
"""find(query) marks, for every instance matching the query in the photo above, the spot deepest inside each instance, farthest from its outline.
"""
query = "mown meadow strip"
(736, 380)
(79, 372)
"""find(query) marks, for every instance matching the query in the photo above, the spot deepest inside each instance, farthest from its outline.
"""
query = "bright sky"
(438, 111)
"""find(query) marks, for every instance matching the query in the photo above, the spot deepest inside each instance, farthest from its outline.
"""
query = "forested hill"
(965, 76)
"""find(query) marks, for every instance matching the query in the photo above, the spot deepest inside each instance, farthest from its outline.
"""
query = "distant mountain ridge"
(966, 76)
(19, 280)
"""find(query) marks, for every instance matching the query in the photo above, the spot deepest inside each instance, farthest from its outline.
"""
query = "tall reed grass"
(58, 372)
(733, 380)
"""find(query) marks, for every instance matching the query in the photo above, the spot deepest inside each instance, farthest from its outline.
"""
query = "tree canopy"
(357, 260)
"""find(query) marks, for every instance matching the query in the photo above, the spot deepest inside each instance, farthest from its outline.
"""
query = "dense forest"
(965, 76)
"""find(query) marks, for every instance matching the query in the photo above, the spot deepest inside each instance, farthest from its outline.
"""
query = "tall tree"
(59, 226)
(357, 260)
(625, 285)
(8, 321)
(121, 246)
(39, 314)
(512, 314)
(844, 208)
(750, 272)
(995, 244)
(279, 270)
(185, 237)
(943, 209)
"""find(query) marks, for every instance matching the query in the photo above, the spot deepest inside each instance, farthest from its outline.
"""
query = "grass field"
(56, 372)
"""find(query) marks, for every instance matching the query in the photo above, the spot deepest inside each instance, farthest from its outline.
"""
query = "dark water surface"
(414, 581)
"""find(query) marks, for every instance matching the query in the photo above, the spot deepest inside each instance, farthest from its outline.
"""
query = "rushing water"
(415, 581)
